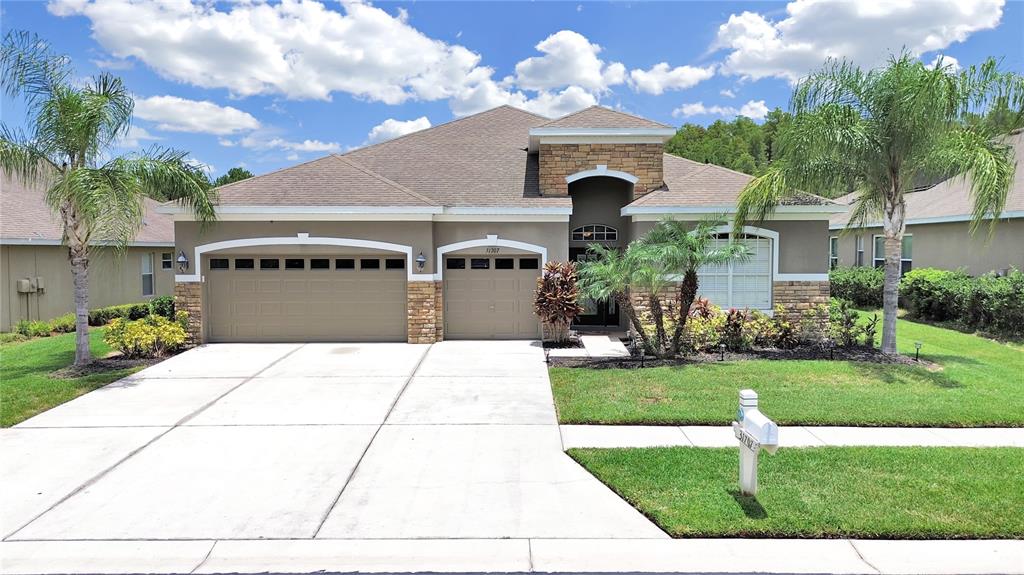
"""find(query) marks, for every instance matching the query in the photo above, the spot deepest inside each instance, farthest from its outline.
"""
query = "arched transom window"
(740, 284)
(595, 233)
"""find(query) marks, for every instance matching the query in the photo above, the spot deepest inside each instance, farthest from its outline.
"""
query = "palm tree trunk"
(687, 293)
(627, 306)
(80, 277)
(658, 315)
(893, 226)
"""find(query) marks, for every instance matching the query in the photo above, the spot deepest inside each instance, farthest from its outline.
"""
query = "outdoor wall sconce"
(421, 260)
(182, 262)
(917, 350)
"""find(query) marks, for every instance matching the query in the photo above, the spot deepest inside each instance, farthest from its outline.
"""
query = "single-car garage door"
(490, 297)
(306, 298)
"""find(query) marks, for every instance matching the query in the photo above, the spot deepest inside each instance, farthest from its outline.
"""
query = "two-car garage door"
(304, 298)
(298, 298)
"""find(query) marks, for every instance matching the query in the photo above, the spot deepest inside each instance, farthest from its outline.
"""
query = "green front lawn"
(980, 383)
(25, 385)
(862, 492)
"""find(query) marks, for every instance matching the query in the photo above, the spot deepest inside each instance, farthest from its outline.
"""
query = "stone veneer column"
(560, 160)
(797, 297)
(422, 300)
(439, 310)
(188, 296)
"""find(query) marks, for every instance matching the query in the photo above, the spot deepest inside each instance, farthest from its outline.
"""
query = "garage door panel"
(489, 303)
(306, 305)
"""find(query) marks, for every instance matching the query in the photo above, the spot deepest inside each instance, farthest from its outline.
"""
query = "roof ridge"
(442, 125)
(387, 181)
(606, 108)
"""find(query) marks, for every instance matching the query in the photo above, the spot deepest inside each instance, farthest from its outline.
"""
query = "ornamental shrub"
(63, 324)
(735, 336)
(163, 305)
(761, 330)
(786, 335)
(131, 311)
(29, 328)
(555, 299)
(152, 336)
(936, 295)
(995, 304)
(860, 285)
(703, 331)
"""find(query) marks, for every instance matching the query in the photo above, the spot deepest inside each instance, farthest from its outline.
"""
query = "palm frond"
(165, 173)
(23, 159)
(29, 68)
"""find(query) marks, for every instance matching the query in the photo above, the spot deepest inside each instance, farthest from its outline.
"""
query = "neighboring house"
(35, 275)
(938, 230)
(443, 233)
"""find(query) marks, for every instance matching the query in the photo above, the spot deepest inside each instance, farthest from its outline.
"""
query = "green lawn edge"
(26, 388)
(979, 383)
(822, 492)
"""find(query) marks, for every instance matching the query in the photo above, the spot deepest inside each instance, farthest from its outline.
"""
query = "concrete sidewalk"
(515, 555)
(789, 436)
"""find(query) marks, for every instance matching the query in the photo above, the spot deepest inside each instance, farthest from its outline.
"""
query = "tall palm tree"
(664, 261)
(71, 126)
(877, 133)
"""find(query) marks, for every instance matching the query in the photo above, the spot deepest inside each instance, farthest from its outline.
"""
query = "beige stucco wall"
(803, 244)
(949, 246)
(417, 234)
(552, 235)
(112, 280)
(600, 200)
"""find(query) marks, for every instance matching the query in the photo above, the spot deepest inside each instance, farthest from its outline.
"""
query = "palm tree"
(71, 127)
(664, 261)
(877, 133)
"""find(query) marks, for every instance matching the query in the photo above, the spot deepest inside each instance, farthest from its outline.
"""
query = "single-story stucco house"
(442, 233)
(938, 230)
(36, 275)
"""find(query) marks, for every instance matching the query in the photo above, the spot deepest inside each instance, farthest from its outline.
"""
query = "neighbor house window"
(860, 250)
(906, 253)
(595, 233)
(147, 274)
(833, 252)
(740, 284)
(167, 261)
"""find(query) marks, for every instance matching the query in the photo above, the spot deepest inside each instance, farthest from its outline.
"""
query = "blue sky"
(270, 85)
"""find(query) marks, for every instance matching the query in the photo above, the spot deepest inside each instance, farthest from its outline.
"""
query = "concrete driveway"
(304, 441)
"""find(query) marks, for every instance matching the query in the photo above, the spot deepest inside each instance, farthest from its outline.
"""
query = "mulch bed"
(571, 344)
(104, 365)
(813, 352)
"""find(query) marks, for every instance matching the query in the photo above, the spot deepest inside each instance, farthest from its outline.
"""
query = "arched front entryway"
(598, 197)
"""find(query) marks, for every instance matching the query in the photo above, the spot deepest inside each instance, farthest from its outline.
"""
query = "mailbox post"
(753, 430)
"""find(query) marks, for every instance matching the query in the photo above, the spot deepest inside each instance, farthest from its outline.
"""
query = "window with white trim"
(740, 284)
(906, 253)
(833, 252)
(595, 233)
(859, 261)
(147, 274)
(166, 261)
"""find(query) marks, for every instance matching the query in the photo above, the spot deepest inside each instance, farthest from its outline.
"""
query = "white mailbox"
(754, 431)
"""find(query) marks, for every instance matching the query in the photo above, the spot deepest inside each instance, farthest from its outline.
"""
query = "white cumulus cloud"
(262, 142)
(175, 114)
(753, 109)
(136, 137)
(948, 63)
(864, 32)
(568, 58)
(391, 128)
(661, 78)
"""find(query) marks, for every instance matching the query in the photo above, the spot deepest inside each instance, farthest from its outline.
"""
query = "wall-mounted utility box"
(40, 284)
(25, 286)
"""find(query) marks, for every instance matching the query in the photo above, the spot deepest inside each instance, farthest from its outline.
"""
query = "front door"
(595, 312)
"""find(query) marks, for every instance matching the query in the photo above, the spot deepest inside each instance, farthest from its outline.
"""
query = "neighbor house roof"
(690, 184)
(950, 201)
(599, 117)
(25, 218)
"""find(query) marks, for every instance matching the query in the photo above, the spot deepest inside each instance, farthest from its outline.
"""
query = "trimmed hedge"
(989, 303)
(130, 311)
(859, 285)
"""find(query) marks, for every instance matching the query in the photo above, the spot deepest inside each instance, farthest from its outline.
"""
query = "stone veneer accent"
(188, 296)
(439, 310)
(560, 160)
(422, 297)
(798, 296)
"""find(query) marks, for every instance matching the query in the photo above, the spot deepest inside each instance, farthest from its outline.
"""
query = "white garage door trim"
(490, 240)
(303, 240)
